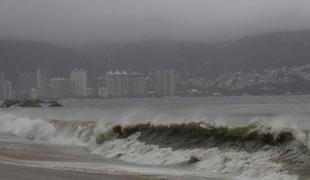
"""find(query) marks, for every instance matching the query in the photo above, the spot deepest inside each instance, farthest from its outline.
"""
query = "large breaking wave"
(251, 151)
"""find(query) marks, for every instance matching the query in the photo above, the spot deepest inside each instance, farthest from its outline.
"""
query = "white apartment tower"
(171, 82)
(117, 83)
(7, 90)
(110, 82)
(42, 82)
(79, 77)
(165, 82)
(2, 80)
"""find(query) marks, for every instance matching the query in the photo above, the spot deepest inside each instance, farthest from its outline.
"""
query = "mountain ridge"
(270, 50)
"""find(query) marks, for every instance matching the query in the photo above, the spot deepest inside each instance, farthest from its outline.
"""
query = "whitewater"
(228, 137)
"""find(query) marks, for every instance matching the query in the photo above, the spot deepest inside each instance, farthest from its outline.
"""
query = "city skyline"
(117, 84)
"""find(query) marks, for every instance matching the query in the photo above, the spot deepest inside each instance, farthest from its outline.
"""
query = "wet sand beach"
(16, 172)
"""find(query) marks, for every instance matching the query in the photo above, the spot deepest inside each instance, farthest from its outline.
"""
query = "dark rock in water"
(9, 102)
(193, 159)
(21, 103)
(29, 103)
(55, 104)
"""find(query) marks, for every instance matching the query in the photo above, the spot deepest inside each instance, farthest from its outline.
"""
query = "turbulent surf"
(251, 151)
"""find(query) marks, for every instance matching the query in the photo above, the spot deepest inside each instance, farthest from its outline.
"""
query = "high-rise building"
(110, 83)
(123, 84)
(42, 82)
(158, 77)
(2, 79)
(165, 82)
(124, 88)
(117, 83)
(171, 83)
(79, 77)
(7, 90)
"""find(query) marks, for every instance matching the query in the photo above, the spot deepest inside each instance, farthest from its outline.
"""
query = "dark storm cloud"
(128, 20)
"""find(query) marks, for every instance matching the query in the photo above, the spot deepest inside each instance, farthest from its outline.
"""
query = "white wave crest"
(242, 165)
(26, 128)
(43, 130)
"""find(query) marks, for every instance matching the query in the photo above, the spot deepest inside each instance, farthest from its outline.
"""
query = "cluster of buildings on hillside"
(267, 81)
(117, 84)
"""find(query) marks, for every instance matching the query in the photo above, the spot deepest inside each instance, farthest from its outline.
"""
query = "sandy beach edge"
(19, 172)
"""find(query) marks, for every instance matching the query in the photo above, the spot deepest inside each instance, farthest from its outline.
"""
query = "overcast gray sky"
(132, 20)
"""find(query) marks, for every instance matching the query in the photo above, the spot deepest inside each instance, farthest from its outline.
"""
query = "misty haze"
(154, 89)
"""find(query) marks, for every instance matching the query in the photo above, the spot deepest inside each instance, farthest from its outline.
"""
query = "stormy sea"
(248, 137)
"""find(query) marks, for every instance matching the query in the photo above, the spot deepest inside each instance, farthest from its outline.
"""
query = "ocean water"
(263, 137)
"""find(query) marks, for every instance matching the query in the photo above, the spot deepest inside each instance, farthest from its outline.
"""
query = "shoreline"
(19, 172)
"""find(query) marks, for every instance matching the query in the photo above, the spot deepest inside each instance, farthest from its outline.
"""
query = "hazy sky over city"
(133, 20)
